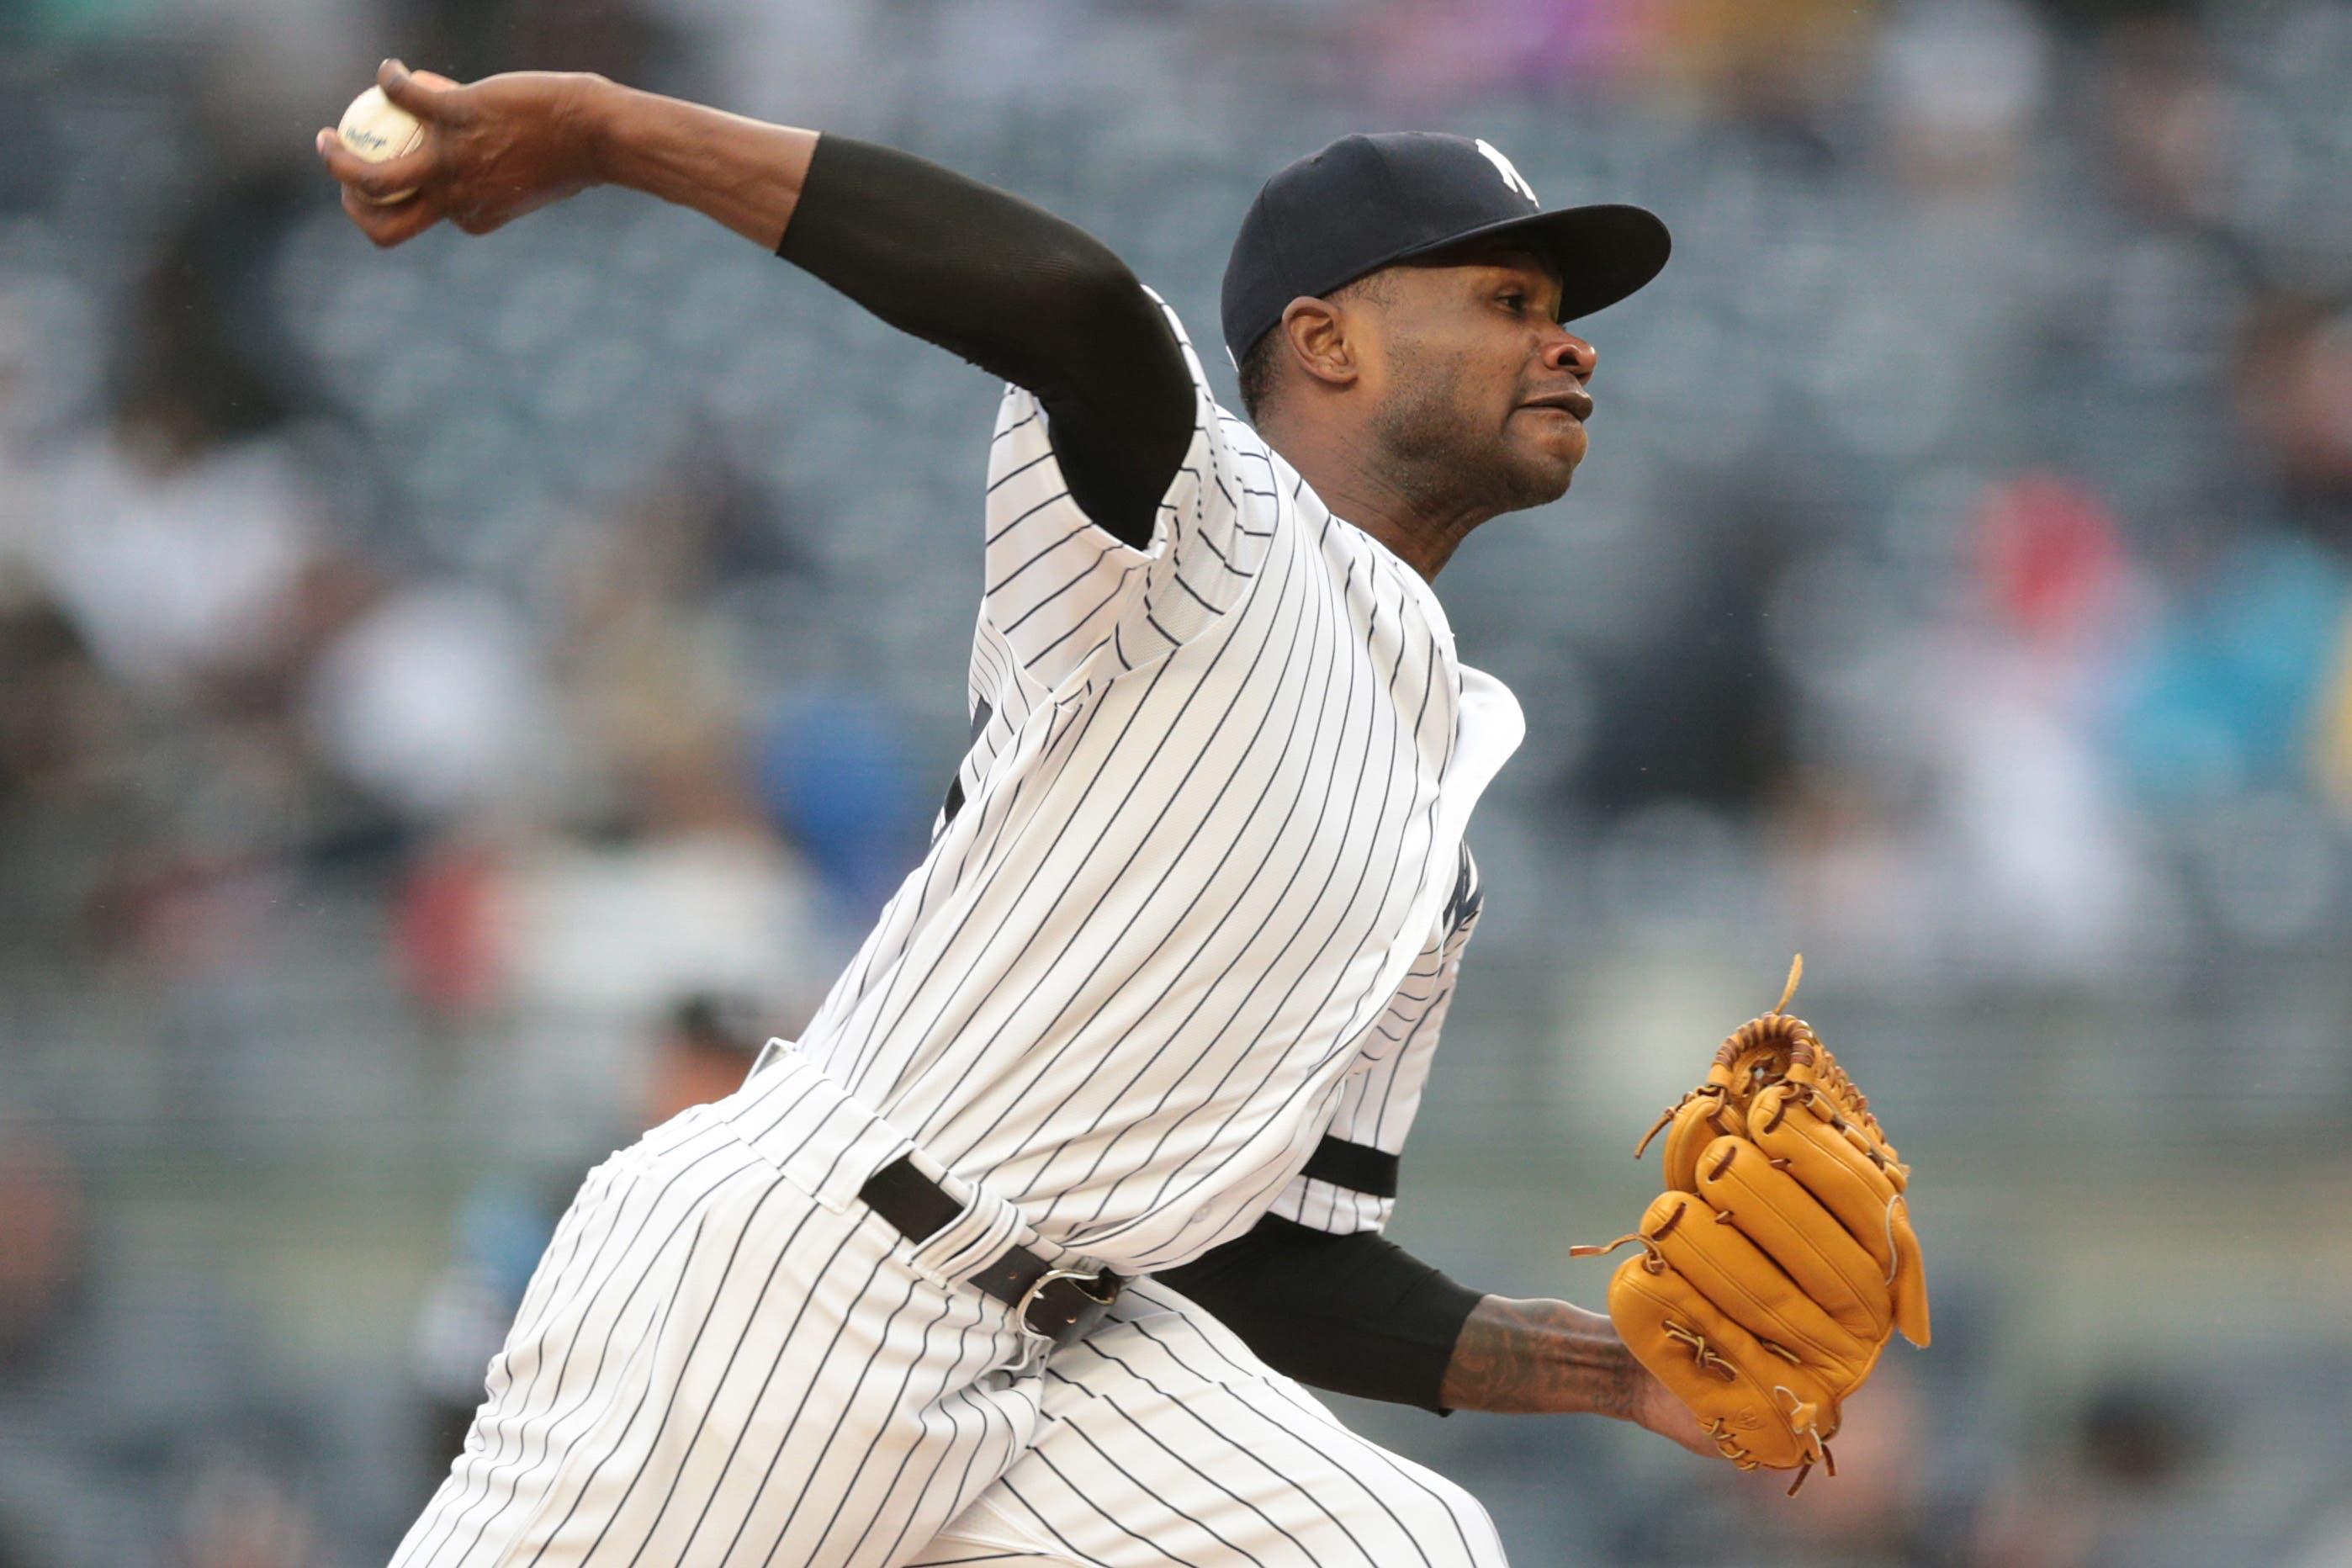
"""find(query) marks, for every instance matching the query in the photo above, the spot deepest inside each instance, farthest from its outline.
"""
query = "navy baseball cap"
(1368, 201)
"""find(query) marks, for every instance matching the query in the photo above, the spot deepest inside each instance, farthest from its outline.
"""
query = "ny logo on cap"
(1511, 175)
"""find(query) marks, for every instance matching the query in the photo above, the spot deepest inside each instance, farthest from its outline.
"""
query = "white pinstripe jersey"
(1200, 891)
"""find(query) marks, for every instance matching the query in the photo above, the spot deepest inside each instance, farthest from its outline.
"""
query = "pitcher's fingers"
(392, 224)
(381, 180)
(428, 95)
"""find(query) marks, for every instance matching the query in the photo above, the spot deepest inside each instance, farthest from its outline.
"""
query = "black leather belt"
(1062, 1304)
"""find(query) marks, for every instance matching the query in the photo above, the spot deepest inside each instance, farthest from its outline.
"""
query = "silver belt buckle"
(1081, 1278)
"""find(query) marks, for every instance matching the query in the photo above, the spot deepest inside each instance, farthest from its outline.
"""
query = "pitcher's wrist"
(594, 120)
(1542, 1356)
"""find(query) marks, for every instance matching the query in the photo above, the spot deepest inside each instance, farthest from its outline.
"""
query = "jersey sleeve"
(1060, 591)
(1349, 1183)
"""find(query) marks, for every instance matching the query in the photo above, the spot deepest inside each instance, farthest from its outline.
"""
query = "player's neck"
(1419, 524)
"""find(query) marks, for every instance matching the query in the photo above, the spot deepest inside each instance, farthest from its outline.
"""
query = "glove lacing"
(1803, 1421)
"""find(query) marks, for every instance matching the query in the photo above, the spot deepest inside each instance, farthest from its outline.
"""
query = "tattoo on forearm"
(1540, 1357)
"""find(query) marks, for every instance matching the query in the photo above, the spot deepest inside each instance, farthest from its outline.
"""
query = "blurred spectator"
(45, 1277)
(1875, 1511)
(448, 934)
(611, 927)
(655, 682)
(2292, 383)
(176, 556)
(1959, 810)
(43, 1262)
(1959, 87)
(2332, 728)
(2223, 695)
(1423, 51)
(2046, 877)
(60, 713)
(2237, 688)
(111, 1378)
(241, 1507)
(832, 773)
(707, 1046)
(2131, 1487)
(431, 700)
(2167, 118)
(175, 536)
(500, 1230)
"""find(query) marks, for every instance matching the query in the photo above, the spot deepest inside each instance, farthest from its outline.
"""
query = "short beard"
(1444, 468)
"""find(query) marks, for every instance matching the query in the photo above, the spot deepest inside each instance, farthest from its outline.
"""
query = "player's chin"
(1542, 428)
(1544, 466)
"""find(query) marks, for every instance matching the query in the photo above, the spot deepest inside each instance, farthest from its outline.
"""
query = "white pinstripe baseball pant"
(1167, 1441)
(726, 1358)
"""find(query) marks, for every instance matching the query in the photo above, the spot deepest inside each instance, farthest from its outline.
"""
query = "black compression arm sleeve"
(1018, 292)
(1355, 1314)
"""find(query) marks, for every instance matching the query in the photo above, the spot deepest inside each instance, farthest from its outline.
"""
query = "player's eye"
(1513, 301)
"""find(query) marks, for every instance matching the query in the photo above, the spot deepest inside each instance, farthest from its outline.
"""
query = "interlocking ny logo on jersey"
(1511, 175)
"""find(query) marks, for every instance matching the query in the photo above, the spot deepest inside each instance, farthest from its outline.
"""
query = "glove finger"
(1746, 1396)
(1829, 1161)
(1815, 1151)
(1775, 1212)
(1910, 1275)
(1700, 1121)
(1743, 1283)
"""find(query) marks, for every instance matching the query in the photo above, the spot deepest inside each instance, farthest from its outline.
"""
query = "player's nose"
(1569, 352)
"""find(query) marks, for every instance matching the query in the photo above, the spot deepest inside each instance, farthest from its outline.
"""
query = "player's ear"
(1317, 332)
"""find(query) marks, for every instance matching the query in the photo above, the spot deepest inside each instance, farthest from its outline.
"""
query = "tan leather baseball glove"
(1780, 1258)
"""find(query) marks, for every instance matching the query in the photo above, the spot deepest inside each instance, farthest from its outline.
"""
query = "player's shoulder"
(1241, 436)
(1268, 481)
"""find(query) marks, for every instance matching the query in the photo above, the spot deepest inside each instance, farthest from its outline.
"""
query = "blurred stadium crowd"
(453, 703)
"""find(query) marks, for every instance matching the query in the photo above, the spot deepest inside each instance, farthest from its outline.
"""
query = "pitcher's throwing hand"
(493, 150)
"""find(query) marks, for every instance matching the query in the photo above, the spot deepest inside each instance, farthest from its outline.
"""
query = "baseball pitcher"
(1024, 1251)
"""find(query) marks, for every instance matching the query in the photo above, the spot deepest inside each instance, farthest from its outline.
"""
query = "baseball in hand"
(376, 129)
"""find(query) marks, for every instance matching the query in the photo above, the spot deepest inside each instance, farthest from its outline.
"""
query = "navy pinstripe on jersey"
(1209, 821)
(1376, 1105)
